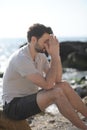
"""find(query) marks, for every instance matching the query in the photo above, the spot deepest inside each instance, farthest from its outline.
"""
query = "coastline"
(54, 121)
(49, 121)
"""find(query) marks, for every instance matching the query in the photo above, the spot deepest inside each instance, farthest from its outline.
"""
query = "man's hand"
(53, 46)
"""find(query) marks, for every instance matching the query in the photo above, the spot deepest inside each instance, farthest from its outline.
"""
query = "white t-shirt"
(19, 66)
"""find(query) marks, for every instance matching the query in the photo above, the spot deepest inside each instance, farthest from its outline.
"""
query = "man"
(28, 69)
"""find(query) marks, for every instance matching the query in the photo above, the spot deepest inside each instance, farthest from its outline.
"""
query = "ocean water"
(9, 45)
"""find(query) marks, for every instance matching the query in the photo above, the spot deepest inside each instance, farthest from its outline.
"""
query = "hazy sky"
(66, 17)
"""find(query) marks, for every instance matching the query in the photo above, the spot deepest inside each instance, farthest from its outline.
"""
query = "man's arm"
(59, 71)
(48, 81)
(52, 72)
(59, 67)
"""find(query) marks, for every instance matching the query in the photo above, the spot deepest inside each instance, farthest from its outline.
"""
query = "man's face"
(39, 46)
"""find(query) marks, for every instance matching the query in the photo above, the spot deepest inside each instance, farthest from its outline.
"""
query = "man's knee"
(58, 93)
(63, 85)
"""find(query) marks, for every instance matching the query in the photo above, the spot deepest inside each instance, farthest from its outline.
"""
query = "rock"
(74, 54)
(1, 75)
(83, 79)
(7, 124)
(85, 101)
(82, 91)
(23, 44)
(73, 128)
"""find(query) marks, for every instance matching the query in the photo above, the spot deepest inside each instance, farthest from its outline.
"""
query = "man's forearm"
(52, 73)
(59, 70)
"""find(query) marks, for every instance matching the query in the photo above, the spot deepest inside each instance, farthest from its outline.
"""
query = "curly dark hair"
(38, 30)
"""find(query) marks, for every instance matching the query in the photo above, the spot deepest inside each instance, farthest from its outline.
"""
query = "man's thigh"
(45, 98)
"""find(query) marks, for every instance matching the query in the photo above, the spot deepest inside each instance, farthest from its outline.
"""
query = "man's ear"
(34, 39)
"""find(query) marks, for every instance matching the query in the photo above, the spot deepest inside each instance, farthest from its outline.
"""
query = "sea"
(9, 45)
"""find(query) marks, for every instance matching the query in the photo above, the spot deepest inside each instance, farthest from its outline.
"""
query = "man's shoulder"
(18, 55)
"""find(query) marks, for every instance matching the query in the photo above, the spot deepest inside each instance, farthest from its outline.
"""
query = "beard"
(39, 49)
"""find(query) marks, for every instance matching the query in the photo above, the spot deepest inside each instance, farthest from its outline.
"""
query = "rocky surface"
(50, 121)
(82, 87)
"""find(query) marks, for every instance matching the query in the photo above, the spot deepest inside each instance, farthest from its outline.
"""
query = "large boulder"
(1, 74)
(82, 91)
(74, 54)
(7, 124)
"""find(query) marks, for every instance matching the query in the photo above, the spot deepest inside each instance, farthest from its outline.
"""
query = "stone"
(1, 74)
(7, 124)
(74, 54)
(82, 91)
(85, 100)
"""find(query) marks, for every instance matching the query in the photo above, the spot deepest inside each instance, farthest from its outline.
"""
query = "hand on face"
(52, 47)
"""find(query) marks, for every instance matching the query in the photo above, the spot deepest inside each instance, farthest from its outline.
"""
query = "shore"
(47, 121)
(50, 121)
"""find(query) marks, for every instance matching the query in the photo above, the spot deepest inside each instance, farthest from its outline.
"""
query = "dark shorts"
(21, 108)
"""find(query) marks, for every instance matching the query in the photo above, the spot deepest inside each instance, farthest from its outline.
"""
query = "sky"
(67, 18)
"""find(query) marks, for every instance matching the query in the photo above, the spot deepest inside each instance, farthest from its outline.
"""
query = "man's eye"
(46, 42)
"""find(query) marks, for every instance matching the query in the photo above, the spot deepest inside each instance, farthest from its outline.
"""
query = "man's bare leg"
(57, 96)
(73, 98)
